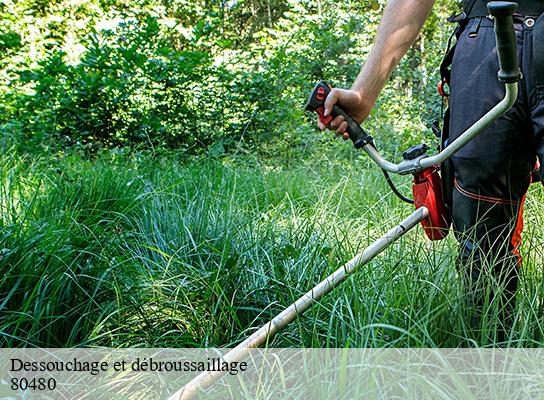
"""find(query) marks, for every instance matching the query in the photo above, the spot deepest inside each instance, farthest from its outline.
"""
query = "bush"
(197, 80)
(132, 87)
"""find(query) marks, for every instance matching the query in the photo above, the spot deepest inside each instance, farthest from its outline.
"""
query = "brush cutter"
(427, 190)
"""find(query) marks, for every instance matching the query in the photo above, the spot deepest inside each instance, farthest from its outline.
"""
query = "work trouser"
(493, 171)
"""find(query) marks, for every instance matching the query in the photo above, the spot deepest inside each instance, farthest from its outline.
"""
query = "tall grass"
(156, 253)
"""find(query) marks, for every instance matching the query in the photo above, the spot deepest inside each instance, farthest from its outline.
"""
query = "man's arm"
(401, 23)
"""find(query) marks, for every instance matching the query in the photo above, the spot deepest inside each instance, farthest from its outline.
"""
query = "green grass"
(133, 251)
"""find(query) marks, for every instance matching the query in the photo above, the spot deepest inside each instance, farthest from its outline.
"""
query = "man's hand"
(352, 102)
(401, 23)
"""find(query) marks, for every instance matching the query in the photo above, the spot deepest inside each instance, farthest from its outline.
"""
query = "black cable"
(394, 189)
(391, 184)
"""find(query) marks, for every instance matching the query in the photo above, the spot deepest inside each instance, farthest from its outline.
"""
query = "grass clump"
(144, 252)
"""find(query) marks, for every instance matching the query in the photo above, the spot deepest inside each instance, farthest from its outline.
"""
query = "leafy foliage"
(196, 76)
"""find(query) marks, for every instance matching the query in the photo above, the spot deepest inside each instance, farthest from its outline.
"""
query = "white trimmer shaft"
(267, 331)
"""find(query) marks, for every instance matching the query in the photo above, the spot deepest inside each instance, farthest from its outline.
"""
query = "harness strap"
(445, 70)
(445, 65)
(538, 51)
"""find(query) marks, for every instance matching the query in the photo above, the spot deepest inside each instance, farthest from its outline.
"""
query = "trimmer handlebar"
(505, 36)
(509, 73)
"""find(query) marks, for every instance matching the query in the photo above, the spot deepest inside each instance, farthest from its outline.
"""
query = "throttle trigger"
(321, 112)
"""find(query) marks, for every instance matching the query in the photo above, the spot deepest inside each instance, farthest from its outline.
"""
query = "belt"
(478, 8)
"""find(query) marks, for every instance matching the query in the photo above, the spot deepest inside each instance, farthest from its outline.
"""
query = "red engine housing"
(427, 190)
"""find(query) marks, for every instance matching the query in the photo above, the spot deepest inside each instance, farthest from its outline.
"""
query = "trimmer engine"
(427, 190)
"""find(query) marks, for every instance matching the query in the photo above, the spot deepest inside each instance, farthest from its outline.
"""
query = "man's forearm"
(401, 23)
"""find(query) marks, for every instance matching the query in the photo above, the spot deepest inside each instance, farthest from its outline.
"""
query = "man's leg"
(491, 174)
(488, 232)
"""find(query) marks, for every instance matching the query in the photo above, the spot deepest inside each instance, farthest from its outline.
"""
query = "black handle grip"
(358, 135)
(316, 102)
(503, 11)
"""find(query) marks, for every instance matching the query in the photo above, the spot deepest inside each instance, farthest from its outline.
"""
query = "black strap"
(538, 51)
(445, 65)
(445, 70)
(468, 5)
